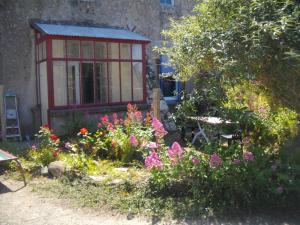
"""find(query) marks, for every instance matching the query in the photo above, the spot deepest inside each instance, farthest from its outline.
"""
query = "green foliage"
(230, 177)
(253, 38)
(118, 138)
(266, 123)
(46, 151)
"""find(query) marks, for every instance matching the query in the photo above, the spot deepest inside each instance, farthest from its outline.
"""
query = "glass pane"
(58, 48)
(87, 49)
(60, 83)
(44, 92)
(44, 49)
(137, 52)
(100, 50)
(125, 51)
(114, 82)
(101, 82)
(137, 77)
(73, 49)
(168, 87)
(87, 82)
(74, 82)
(40, 52)
(126, 81)
(113, 50)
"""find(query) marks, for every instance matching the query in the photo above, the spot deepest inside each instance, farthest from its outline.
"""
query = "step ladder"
(12, 124)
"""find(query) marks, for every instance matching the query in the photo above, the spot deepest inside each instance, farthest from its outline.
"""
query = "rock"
(98, 178)
(44, 171)
(116, 182)
(122, 169)
(57, 168)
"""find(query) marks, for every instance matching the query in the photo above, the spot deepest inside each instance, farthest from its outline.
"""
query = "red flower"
(84, 131)
(46, 126)
(54, 137)
(56, 153)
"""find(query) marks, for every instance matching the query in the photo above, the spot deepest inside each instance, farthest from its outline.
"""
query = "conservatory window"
(95, 72)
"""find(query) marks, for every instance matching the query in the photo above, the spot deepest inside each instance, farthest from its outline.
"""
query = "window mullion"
(120, 75)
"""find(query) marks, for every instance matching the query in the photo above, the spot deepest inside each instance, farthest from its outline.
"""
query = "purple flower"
(195, 160)
(133, 141)
(153, 161)
(159, 130)
(279, 189)
(246, 141)
(175, 153)
(68, 145)
(237, 162)
(248, 156)
(215, 161)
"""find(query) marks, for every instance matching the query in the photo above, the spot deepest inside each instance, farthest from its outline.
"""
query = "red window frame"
(49, 59)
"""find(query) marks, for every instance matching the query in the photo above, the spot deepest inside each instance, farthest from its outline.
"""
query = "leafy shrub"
(239, 179)
(267, 123)
(124, 139)
(44, 152)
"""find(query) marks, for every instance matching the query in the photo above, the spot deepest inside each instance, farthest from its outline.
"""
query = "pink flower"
(248, 156)
(110, 127)
(215, 161)
(138, 116)
(133, 141)
(279, 189)
(195, 161)
(152, 145)
(115, 118)
(105, 119)
(33, 147)
(175, 153)
(153, 161)
(159, 130)
(237, 162)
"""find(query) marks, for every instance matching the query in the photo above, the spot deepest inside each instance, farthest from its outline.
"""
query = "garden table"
(207, 120)
(5, 156)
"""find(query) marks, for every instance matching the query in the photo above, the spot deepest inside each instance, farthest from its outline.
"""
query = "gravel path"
(24, 207)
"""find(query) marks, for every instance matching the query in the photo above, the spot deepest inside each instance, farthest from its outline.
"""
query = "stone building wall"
(17, 66)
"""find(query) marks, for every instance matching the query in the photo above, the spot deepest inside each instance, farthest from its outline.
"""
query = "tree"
(253, 39)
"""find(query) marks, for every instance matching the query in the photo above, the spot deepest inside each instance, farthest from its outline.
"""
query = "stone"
(116, 182)
(44, 171)
(98, 179)
(56, 168)
(122, 169)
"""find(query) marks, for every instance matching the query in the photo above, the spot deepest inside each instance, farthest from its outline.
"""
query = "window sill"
(98, 109)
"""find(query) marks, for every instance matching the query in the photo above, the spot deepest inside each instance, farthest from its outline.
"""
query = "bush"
(241, 179)
(44, 152)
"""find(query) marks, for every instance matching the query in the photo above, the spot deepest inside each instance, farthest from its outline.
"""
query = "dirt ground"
(20, 206)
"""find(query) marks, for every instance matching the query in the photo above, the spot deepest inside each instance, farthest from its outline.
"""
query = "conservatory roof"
(88, 31)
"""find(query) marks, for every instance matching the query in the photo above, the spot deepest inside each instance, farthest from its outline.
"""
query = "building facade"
(53, 71)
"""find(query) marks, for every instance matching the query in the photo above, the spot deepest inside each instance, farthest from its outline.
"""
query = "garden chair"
(5, 157)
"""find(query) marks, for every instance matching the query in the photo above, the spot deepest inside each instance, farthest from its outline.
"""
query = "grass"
(125, 198)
